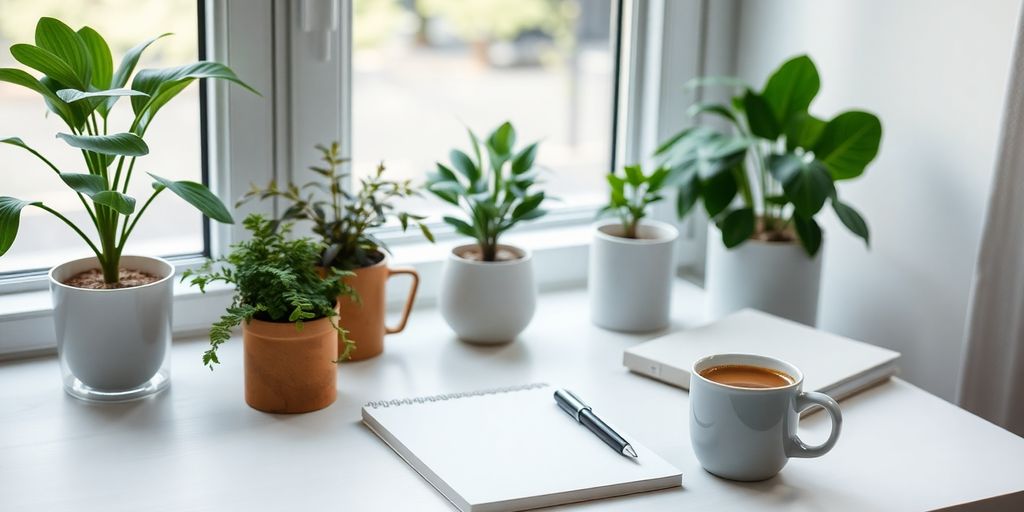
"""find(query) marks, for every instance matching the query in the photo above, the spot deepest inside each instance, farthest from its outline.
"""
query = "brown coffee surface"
(747, 376)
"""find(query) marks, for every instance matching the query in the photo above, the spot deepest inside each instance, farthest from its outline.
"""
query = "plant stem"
(126, 232)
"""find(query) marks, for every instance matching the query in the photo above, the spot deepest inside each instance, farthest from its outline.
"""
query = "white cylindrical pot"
(113, 345)
(630, 280)
(774, 277)
(488, 302)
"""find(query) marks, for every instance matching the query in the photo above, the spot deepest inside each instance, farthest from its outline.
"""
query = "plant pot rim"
(765, 243)
(382, 263)
(526, 256)
(604, 235)
(287, 330)
(158, 282)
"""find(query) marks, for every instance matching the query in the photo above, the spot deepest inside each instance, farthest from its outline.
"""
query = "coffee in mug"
(744, 411)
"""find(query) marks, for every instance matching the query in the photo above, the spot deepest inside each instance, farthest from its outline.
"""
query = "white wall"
(935, 73)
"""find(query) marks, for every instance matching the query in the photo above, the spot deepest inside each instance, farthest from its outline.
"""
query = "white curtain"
(992, 375)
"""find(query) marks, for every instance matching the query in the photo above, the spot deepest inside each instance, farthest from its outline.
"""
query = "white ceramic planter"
(113, 344)
(630, 280)
(774, 277)
(488, 302)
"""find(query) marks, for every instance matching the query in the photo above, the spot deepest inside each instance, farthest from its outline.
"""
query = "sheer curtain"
(992, 375)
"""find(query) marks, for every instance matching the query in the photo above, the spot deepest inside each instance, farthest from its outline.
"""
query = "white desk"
(199, 447)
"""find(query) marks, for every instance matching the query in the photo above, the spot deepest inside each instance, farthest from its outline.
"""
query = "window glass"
(424, 70)
(170, 226)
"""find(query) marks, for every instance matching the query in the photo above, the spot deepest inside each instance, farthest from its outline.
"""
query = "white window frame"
(298, 59)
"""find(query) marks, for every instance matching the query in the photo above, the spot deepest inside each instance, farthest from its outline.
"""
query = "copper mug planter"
(365, 319)
(290, 370)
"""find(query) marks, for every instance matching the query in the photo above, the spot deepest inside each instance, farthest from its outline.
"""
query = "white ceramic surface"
(630, 281)
(113, 344)
(488, 302)
(749, 434)
(774, 277)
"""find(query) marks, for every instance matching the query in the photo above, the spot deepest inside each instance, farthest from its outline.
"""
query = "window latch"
(319, 17)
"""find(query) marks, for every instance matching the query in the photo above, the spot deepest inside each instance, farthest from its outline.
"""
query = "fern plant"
(275, 280)
(343, 220)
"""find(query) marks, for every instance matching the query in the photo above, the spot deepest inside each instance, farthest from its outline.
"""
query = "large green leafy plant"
(632, 195)
(80, 85)
(275, 280)
(343, 220)
(495, 194)
(778, 157)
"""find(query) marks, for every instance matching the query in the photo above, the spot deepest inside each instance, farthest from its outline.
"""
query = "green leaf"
(528, 205)
(162, 85)
(657, 179)
(849, 143)
(127, 144)
(10, 217)
(125, 205)
(125, 69)
(523, 161)
(852, 220)
(760, 117)
(809, 233)
(88, 184)
(713, 108)
(45, 62)
(791, 88)
(718, 193)
(737, 226)
(687, 196)
(634, 175)
(426, 232)
(807, 184)
(56, 37)
(502, 139)
(476, 148)
(464, 165)
(73, 95)
(196, 194)
(99, 56)
(803, 131)
(461, 226)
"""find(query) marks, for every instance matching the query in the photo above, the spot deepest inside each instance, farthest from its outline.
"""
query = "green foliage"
(275, 280)
(781, 160)
(343, 220)
(494, 196)
(79, 85)
(632, 194)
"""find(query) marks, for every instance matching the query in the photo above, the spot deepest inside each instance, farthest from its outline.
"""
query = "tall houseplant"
(287, 312)
(344, 222)
(782, 162)
(488, 294)
(631, 257)
(104, 359)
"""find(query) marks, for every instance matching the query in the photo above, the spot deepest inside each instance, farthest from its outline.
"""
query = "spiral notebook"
(511, 449)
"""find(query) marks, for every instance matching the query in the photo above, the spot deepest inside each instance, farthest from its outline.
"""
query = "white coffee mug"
(749, 434)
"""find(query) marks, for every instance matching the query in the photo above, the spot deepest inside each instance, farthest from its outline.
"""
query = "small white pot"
(113, 344)
(488, 302)
(630, 281)
(774, 277)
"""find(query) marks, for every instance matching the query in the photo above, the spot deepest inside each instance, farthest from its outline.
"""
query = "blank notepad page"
(511, 450)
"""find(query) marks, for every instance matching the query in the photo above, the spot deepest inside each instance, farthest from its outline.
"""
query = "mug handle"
(408, 301)
(796, 447)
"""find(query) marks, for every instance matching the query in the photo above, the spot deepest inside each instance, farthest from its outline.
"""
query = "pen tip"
(628, 450)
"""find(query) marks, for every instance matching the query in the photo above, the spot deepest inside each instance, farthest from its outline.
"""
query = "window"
(170, 226)
(422, 71)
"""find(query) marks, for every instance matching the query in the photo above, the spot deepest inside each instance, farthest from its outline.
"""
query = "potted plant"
(288, 315)
(782, 162)
(488, 293)
(631, 258)
(343, 222)
(112, 311)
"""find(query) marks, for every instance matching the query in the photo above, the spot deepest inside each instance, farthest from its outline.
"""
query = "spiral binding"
(452, 396)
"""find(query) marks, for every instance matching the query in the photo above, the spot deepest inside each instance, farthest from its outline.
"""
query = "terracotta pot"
(364, 319)
(290, 370)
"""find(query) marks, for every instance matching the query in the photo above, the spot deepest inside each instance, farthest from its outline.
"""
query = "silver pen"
(582, 413)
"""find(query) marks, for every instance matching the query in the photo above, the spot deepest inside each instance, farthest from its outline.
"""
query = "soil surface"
(93, 279)
(502, 254)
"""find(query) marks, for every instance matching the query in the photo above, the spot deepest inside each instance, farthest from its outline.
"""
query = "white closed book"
(511, 449)
(831, 364)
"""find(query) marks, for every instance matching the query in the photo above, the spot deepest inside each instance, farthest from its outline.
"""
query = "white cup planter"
(774, 277)
(630, 279)
(113, 345)
(488, 302)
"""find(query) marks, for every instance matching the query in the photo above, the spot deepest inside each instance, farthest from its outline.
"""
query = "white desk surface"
(198, 446)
